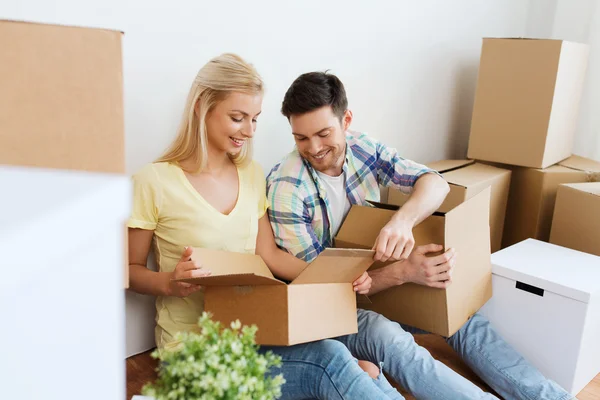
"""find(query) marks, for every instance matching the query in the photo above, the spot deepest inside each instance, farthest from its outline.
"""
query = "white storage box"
(61, 292)
(546, 304)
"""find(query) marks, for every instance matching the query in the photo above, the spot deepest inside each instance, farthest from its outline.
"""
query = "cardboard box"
(61, 103)
(466, 179)
(546, 305)
(533, 195)
(527, 101)
(576, 221)
(320, 303)
(464, 228)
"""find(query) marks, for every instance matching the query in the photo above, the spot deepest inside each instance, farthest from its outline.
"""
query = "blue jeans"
(327, 370)
(492, 359)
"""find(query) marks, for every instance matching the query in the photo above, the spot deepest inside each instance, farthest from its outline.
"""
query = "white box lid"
(45, 212)
(563, 271)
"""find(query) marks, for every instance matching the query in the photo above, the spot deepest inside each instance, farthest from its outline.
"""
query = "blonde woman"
(205, 191)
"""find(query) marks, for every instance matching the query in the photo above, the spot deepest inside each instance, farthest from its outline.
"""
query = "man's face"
(321, 138)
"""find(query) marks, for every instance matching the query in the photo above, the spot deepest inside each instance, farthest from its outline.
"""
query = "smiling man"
(310, 192)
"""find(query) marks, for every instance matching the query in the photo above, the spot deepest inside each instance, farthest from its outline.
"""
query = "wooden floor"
(141, 369)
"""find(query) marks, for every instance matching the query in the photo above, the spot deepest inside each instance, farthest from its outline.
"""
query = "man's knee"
(382, 329)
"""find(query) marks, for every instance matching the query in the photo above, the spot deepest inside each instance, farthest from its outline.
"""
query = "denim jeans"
(490, 357)
(327, 370)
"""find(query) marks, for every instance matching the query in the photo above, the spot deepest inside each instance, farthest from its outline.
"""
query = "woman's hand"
(186, 268)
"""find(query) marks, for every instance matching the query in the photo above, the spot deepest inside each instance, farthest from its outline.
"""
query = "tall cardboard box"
(464, 228)
(546, 305)
(320, 303)
(466, 179)
(576, 221)
(61, 98)
(527, 101)
(533, 195)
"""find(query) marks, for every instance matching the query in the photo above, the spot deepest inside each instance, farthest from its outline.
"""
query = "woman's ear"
(197, 107)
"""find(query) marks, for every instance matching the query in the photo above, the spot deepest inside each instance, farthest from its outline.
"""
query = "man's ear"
(347, 120)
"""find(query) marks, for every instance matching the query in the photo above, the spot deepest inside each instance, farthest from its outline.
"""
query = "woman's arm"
(145, 281)
(281, 263)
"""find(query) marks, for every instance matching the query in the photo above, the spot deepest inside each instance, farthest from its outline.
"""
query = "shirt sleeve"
(395, 171)
(291, 221)
(146, 199)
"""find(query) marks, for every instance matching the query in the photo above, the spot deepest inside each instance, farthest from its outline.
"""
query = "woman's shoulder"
(154, 172)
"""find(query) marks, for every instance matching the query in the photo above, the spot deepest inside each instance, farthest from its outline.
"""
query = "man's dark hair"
(314, 90)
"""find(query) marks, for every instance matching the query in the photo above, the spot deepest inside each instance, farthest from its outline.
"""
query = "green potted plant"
(215, 363)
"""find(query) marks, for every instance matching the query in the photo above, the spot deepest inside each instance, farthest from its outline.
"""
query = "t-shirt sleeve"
(261, 186)
(146, 199)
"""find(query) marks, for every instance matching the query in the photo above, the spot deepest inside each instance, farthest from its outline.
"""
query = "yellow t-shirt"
(167, 203)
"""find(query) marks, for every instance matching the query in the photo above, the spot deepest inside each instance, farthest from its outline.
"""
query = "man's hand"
(395, 240)
(429, 271)
(363, 284)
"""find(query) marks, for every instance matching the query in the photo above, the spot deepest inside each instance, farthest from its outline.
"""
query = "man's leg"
(381, 340)
(323, 370)
(500, 366)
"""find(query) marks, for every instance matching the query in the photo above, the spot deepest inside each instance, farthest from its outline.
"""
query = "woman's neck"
(216, 163)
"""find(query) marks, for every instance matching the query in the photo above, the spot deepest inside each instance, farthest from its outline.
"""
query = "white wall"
(578, 21)
(409, 67)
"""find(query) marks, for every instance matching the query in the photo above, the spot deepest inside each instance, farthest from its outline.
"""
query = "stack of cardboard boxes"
(65, 199)
(61, 103)
(524, 120)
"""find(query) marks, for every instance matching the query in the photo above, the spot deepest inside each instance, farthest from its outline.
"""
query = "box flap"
(384, 206)
(563, 271)
(520, 38)
(336, 266)
(449, 165)
(233, 280)
(588, 187)
(474, 174)
(229, 268)
(581, 164)
(362, 225)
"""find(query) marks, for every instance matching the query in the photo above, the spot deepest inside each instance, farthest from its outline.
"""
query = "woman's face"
(233, 121)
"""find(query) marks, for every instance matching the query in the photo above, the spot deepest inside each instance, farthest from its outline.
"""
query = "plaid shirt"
(298, 206)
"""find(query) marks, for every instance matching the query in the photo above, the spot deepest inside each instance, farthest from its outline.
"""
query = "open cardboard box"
(464, 228)
(467, 178)
(320, 303)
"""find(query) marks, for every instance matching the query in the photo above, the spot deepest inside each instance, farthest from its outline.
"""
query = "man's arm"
(395, 241)
(419, 268)
(427, 191)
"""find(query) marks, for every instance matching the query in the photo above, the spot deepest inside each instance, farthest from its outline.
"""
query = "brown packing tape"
(592, 176)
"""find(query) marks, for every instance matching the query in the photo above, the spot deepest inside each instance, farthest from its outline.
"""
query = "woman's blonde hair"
(219, 77)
